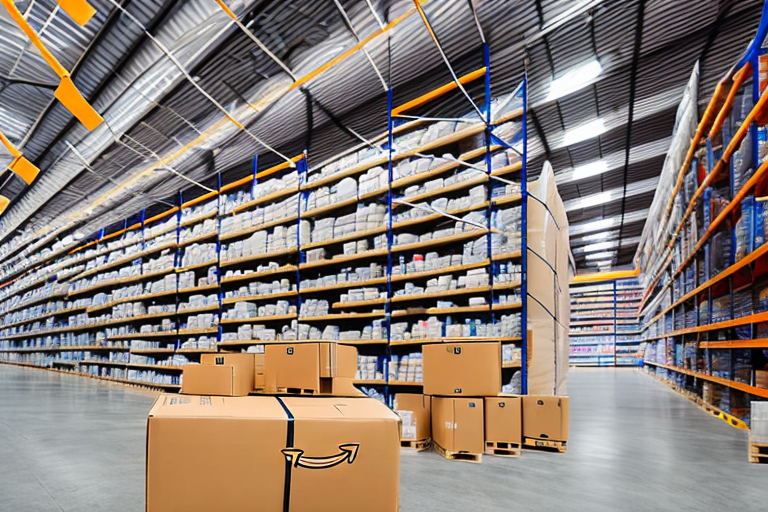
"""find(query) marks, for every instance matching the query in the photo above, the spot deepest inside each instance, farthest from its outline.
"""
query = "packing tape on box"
(294, 457)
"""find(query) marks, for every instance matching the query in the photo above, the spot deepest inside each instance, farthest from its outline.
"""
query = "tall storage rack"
(211, 291)
(705, 309)
(605, 329)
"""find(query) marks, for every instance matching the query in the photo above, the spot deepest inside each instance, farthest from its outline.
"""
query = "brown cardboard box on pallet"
(295, 454)
(503, 422)
(420, 408)
(761, 379)
(462, 369)
(219, 374)
(457, 425)
(324, 368)
(545, 417)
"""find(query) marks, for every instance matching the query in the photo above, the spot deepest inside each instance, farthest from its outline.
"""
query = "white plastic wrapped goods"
(759, 423)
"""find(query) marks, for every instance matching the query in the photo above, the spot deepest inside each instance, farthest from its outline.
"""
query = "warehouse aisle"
(74, 444)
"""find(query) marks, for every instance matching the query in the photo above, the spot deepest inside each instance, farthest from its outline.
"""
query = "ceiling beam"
(632, 91)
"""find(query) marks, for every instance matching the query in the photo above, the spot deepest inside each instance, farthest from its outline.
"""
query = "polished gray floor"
(74, 444)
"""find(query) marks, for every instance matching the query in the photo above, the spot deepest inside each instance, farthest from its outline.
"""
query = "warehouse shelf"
(346, 238)
(702, 290)
(257, 227)
(198, 238)
(257, 319)
(153, 350)
(358, 303)
(257, 257)
(267, 296)
(746, 388)
(592, 344)
(294, 264)
(98, 377)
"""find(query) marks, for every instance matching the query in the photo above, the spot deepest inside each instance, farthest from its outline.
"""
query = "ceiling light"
(600, 255)
(598, 246)
(584, 132)
(590, 169)
(575, 79)
(604, 263)
(598, 224)
(597, 236)
(595, 199)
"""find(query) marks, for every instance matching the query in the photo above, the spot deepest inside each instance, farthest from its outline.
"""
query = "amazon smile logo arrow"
(297, 458)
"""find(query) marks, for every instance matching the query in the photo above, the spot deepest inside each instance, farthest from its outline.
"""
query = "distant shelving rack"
(604, 327)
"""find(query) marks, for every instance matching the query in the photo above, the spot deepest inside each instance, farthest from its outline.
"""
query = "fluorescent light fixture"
(600, 246)
(584, 132)
(600, 255)
(595, 199)
(598, 224)
(590, 169)
(597, 236)
(574, 80)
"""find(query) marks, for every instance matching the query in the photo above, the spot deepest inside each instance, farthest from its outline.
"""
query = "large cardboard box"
(504, 419)
(295, 454)
(219, 374)
(326, 368)
(457, 424)
(761, 379)
(462, 369)
(418, 410)
(545, 417)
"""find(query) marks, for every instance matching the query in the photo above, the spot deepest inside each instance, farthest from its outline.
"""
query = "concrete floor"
(74, 444)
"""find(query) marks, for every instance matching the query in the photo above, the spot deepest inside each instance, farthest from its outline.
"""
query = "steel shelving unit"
(605, 329)
(704, 318)
(295, 262)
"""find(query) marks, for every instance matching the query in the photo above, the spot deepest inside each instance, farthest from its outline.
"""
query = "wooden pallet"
(419, 446)
(503, 449)
(545, 444)
(298, 391)
(462, 456)
(758, 453)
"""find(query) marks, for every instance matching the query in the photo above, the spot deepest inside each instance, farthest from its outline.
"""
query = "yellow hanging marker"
(25, 169)
(71, 98)
(79, 10)
(66, 93)
(4, 202)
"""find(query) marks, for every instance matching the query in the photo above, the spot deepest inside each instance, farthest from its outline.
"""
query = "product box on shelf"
(415, 411)
(295, 454)
(462, 369)
(503, 422)
(545, 417)
(219, 374)
(324, 368)
(457, 425)
(761, 379)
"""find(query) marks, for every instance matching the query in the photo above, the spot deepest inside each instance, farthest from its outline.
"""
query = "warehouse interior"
(439, 254)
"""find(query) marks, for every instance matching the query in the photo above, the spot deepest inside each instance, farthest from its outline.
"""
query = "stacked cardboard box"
(463, 414)
(335, 451)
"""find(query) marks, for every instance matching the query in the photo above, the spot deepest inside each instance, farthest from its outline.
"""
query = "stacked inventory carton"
(464, 413)
(548, 301)
(334, 451)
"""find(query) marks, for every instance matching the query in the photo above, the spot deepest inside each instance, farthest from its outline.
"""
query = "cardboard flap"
(338, 407)
(204, 406)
